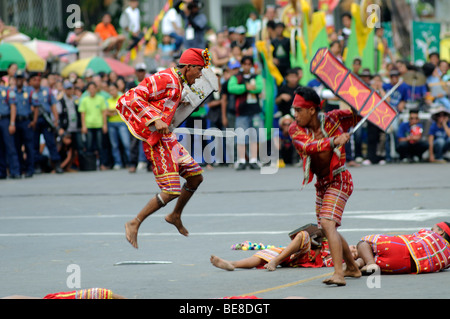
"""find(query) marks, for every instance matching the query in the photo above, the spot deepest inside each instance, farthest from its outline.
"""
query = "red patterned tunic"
(333, 191)
(156, 97)
(427, 249)
(333, 124)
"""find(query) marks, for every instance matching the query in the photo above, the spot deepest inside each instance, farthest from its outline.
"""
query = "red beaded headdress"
(194, 56)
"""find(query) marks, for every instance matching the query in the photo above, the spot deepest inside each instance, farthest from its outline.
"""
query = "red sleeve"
(348, 118)
(306, 144)
(152, 97)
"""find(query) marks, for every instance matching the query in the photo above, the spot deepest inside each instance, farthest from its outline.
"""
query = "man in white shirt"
(131, 22)
(172, 25)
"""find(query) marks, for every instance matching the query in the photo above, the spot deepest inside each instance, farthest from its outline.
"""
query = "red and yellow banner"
(351, 89)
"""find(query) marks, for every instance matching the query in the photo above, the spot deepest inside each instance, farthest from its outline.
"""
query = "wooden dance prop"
(352, 90)
(206, 85)
(388, 94)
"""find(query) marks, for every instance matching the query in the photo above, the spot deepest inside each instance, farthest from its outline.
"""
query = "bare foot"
(221, 263)
(335, 280)
(349, 272)
(176, 221)
(131, 231)
(271, 266)
(370, 269)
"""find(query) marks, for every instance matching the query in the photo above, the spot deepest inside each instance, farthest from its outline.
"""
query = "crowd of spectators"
(53, 124)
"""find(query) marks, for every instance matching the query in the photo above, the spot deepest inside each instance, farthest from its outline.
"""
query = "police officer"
(21, 98)
(8, 154)
(44, 104)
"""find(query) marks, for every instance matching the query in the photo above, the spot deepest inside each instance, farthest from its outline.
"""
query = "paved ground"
(58, 230)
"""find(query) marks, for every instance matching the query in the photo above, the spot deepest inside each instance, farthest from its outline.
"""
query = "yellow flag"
(361, 28)
(268, 55)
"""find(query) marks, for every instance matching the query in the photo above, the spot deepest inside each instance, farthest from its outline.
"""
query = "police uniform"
(44, 99)
(24, 133)
(8, 154)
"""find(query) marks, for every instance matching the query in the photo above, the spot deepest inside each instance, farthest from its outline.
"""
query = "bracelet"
(332, 142)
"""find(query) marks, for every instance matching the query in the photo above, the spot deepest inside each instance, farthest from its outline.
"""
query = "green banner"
(425, 39)
(388, 35)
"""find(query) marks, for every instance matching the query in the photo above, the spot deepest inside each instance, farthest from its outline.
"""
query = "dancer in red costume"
(153, 104)
(425, 251)
(320, 140)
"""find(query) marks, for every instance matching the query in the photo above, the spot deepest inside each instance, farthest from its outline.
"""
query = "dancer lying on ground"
(300, 252)
(422, 252)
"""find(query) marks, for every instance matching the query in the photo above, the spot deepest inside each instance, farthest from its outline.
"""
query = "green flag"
(352, 50)
(269, 95)
(425, 40)
(368, 54)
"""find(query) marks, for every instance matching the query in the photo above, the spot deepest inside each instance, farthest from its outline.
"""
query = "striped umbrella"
(46, 49)
(98, 64)
(21, 55)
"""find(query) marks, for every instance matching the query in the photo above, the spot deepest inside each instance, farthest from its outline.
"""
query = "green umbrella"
(98, 64)
(21, 55)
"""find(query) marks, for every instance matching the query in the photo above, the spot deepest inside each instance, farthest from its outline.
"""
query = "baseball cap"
(234, 65)
(68, 85)
(88, 73)
(78, 24)
(394, 72)
(20, 74)
(240, 30)
(140, 66)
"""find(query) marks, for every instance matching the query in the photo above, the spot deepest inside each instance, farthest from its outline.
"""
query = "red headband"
(444, 227)
(299, 101)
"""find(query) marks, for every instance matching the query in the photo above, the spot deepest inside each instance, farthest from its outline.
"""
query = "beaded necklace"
(200, 94)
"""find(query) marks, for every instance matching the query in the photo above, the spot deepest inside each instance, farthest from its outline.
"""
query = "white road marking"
(364, 230)
(412, 215)
(404, 215)
(407, 215)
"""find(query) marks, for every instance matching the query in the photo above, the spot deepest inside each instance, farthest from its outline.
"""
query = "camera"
(195, 4)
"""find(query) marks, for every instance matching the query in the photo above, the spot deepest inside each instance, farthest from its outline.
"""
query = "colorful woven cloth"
(93, 293)
(170, 160)
(332, 196)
